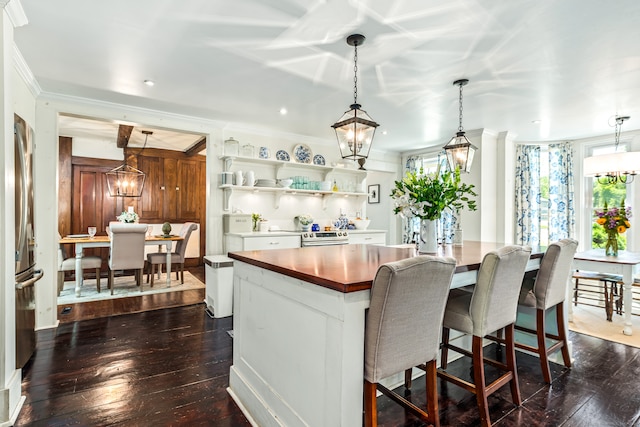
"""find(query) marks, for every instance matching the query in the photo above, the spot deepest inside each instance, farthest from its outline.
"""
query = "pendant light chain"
(460, 129)
(617, 132)
(355, 75)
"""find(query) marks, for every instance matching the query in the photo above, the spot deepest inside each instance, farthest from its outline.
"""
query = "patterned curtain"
(527, 194)
(561, 207)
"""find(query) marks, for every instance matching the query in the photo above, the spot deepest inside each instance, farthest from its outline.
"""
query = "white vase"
(428, 243)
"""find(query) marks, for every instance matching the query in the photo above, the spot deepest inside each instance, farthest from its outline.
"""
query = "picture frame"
(373, 192)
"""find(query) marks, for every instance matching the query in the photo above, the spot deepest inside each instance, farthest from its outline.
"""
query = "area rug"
(126, 287)
(592, 321)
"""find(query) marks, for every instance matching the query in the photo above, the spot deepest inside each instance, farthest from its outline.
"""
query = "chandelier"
(459, 149)
(615, 167)
(125, 180)
(355, 129)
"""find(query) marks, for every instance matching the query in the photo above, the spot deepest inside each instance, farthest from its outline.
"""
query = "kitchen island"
(299, 318)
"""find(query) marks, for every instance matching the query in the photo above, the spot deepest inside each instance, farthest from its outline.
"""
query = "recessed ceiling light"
(283, 111)
(149, 82)
(536, 122)
(384, 132)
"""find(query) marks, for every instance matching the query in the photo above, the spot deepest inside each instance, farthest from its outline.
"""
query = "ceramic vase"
(428, 243)
(611, 247)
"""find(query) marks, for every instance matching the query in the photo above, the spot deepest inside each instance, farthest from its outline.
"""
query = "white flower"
(305, 219)
(128, 217)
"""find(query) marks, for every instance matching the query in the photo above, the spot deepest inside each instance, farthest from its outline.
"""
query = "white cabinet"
(277, 169)
(370, 237)
(259, 241)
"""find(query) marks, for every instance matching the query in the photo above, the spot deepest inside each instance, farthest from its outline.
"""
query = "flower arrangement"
(426, 196)
(129, 217)
(615, 221)
(256, 218)
(304, 219)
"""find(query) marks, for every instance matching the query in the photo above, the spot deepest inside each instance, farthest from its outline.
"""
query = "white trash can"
(219, 285)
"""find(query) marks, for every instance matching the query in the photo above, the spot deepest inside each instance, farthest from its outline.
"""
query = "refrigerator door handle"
(37, 275)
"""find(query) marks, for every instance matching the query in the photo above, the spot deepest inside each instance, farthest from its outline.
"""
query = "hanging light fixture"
(355, 129)
(460, 150)
(125, 180)
(614, 167)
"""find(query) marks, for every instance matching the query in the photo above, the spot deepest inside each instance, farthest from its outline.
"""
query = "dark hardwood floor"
(170, 367)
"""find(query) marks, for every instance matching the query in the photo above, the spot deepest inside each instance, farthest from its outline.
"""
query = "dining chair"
(546, 291)
(490, 307)
(177, 257)
(404, 294)
(69, 264)
(126, 250)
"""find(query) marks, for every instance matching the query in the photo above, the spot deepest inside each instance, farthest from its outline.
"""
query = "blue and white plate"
(282, 155)
(264, 153)
(302, 153)
(318, 159)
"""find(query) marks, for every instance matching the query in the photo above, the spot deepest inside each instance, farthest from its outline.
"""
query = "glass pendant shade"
(355, 131)
(125, 181)
(460, 152)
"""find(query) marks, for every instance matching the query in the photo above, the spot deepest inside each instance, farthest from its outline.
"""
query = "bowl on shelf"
(325, 185)
(361, 224)
(285, 183)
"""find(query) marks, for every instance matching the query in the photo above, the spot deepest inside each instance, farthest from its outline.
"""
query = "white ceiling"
(573, 64)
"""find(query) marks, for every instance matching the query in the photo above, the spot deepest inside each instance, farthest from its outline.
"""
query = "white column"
(505, 191)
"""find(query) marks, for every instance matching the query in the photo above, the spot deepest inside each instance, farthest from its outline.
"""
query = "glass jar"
(248, 150)
(231, 147)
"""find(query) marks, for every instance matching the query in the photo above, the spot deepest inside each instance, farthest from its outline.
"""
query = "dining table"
(85, 241)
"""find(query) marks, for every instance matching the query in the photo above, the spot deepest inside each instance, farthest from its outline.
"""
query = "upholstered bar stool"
(127, 250)
(491, 306)
(549, 290)
(402, 328)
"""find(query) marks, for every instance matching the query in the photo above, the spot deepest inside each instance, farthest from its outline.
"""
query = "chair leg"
(98, 279)
(562, 334)
(153, 269)
(432, 393)
(541, 332)
(407, 378)
(370, 405)
(511, 364)
(60, 281)
(111, 281)
(479, 381)
(182, 273)
(444, 351)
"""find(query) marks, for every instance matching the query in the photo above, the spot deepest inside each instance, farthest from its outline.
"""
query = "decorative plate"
(282, 155)
(263, 153)
(302, 153)
(318, 159)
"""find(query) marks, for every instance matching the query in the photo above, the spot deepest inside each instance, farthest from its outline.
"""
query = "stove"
(324, 238)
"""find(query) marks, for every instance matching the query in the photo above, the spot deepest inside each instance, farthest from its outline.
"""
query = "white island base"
(276, 387)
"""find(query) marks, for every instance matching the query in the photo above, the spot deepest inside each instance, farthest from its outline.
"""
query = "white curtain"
(527, 192)
(561, 207)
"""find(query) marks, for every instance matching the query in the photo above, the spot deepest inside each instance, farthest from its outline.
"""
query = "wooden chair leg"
(479, 381)
(407, 379)
(153, 269)
(110, 283)
(444, 351)
(182, 273)
(562, 335)
(511, 364)
(98, 279)
(432, 393)
(541, 332)
(60, 281)
(370, 405)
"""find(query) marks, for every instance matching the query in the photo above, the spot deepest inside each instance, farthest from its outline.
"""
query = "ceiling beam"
(197, 147)
(124, 133)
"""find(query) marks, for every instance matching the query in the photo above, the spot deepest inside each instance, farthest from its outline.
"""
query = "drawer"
(271, 242)
(367, 239)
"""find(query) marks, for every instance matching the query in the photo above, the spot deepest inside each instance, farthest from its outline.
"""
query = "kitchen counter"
(293, 233)
(299, 323)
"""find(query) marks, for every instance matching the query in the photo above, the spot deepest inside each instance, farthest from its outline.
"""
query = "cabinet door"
(271, 242)
(189, 189)
(367, 238)
(170, 185)
(151, 202)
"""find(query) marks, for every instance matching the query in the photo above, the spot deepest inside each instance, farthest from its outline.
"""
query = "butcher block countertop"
(351, 268)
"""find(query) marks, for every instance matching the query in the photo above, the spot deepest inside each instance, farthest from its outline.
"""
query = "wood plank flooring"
(170, 367)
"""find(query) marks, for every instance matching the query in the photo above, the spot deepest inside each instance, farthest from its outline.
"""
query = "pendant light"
(355, 129)
(459, 149)
(125, 180)
(615, 167)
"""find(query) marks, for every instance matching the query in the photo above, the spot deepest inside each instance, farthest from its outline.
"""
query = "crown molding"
(23, 70)
(15, 12)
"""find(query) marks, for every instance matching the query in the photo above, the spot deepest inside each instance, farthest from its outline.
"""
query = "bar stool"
(405, 294)
(549, 290)
(491, 307)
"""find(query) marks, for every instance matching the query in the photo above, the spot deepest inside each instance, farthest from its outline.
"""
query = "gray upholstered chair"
(126, 251)
(492, 306)
(69, 264)
(177, 257)
(549, 290)
(404, 294)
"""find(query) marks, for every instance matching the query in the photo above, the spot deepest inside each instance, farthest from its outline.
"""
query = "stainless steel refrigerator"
(26, 273)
